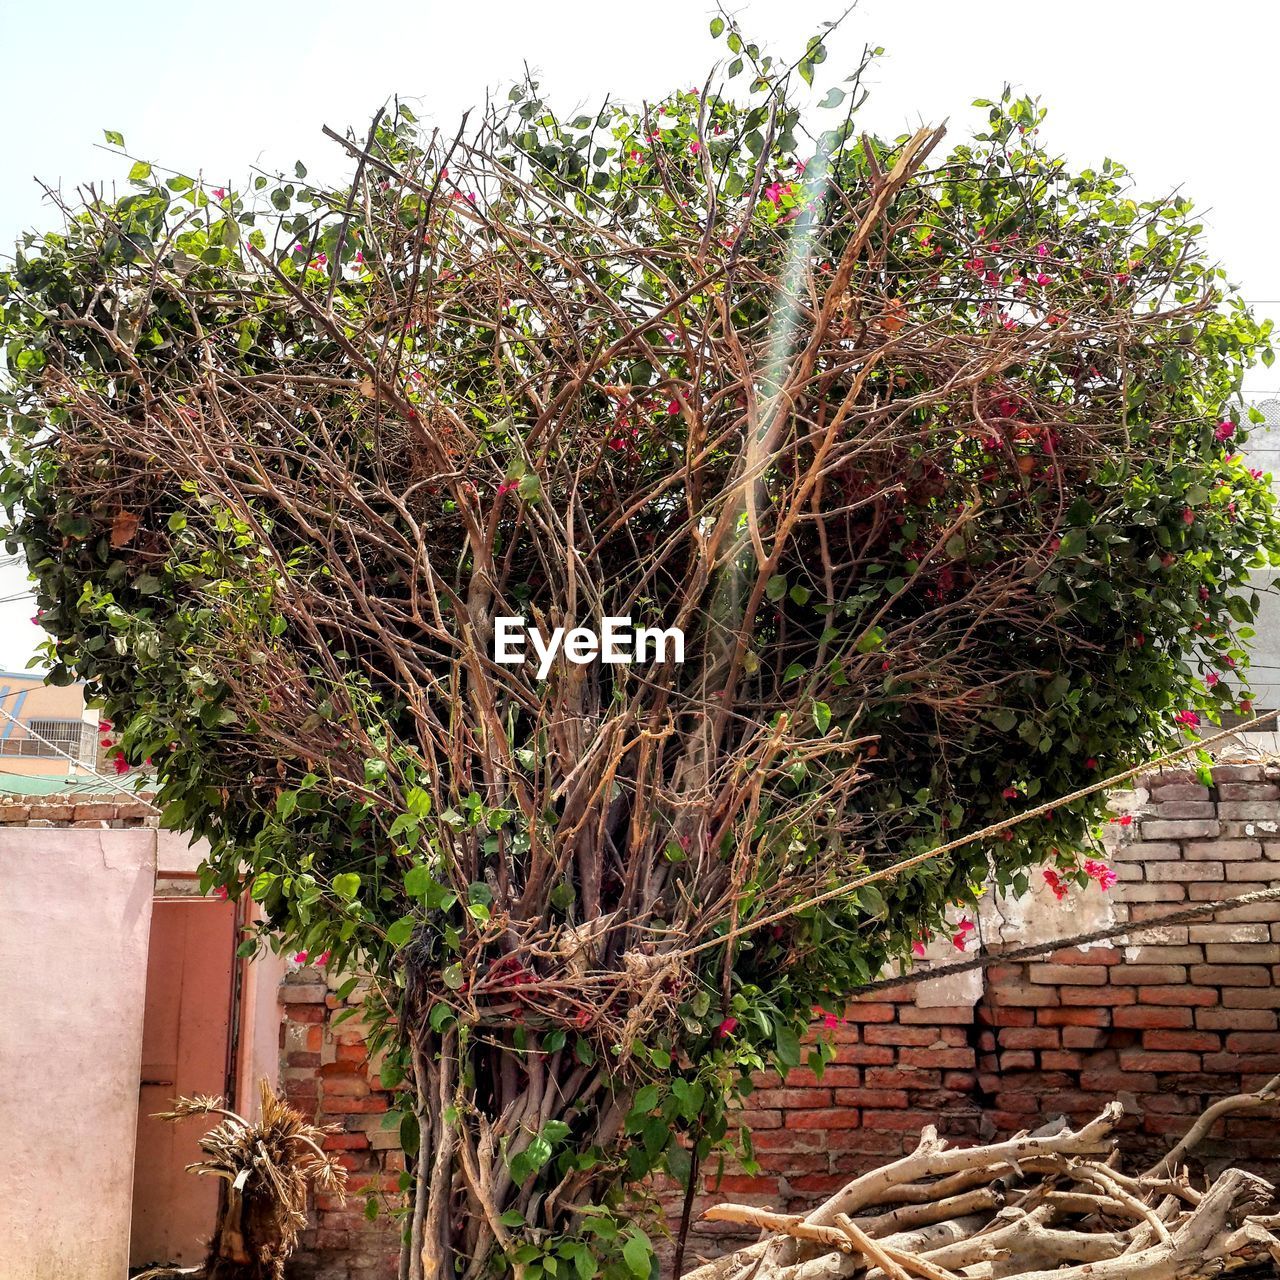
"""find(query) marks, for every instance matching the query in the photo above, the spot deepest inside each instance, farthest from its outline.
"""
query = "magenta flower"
(1188, 516)
(1189, 718)
(1211, 679)
(221, 893)
(694, 148)
(918, 949)
(1042, 251)
(726, 1028)
(1100, 872)
(1054, 881)
(359, 258)
(120, 764)
(830, 1021)
(775, 191)
(322, 958)
(1043, 278)
(1224, 430)
(1010, 793)
(301, 957)
(963, 930)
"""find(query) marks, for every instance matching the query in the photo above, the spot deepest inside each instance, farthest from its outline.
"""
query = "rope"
(891, 872)
(1034, 949)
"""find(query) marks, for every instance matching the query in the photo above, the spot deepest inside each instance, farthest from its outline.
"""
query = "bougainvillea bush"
(933, 455)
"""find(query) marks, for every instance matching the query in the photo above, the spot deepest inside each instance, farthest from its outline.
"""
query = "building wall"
(76, 911)
(25, 697)
(1167, 1019)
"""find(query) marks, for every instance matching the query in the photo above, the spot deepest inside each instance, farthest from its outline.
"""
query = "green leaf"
(114, 138)
(140, 172)
(399, 932)
(787, 1045)
(776, 587)
(821, 716)
(417, 881)
(717, 28)
(530, 487)
(833, 99)
(637, 1253)
(347, 885)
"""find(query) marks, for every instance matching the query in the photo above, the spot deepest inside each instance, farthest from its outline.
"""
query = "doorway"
(186, 1050)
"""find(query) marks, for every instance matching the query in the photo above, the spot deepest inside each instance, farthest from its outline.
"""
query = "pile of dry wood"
(1048, 1205)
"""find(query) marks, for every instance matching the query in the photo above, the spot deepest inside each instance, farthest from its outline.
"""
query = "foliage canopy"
(933, 457)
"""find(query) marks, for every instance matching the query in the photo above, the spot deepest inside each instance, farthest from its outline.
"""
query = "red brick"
(936, 1057)
(859, 1012)
(1253, 1042)
(1069, 974)
(1023, 995)
(1141, 1060)
(990, 1016)
(1111, 1081)
(1237, 1019)
(1192, 1041)
(1083, 1037)
(1031, 1038)
(952, 1015)
(1149, 974)
(1017, 1060)
(1152, 1016)
(892, 1033)
(1112, 997)
(1087, 955)
(1176, 995)
(864, 1142)
(1074, 1017)
(899, 1121)
(839, 1118)
(1230, 975)
(798, 1099)
(1251, 997)
(1058, 1060)
(874, 1097)
(788, 1140)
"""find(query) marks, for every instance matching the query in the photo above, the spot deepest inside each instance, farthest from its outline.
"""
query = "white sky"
(1185, 94)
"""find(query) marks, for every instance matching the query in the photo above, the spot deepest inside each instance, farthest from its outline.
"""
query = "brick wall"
(1168, 1019)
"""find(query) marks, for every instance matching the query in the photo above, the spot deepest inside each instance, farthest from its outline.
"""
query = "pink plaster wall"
(75, 915)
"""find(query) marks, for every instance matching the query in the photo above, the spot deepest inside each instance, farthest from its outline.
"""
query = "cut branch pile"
(1053, 1203)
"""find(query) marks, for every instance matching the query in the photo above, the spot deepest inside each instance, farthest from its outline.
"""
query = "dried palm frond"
(269, 1165)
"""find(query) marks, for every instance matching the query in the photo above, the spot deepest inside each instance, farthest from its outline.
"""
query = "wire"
(1075, 940)
(111, 782)
(891, 872)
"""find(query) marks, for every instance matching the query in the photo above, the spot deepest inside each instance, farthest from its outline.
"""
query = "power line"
(75, 760)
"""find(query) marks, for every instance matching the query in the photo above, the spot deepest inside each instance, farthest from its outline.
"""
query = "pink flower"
(775, 191)
(1052, 879)
(322, 958)
(507, 485)
(1010, 793)
(673, 407)
(1256, 472)
(1090, 763)
(120, 764)
(319, 260)
(301, 957)
(830, 1021)
(1190, 718)
(961, 936)
(219, 193)
(359, 258)
(1188, 516)
(726, 1028)
(1211, 679)
(1042, 251)
(1100, 872)
(1224, 430)
(918, 949)
(1042, 278)
(221, 893)
(694, 148)
(977, 265)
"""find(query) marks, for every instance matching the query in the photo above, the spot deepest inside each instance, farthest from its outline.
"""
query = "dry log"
(1071, 1214)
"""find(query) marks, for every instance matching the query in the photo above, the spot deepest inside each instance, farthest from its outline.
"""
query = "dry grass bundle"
(269, 1166)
